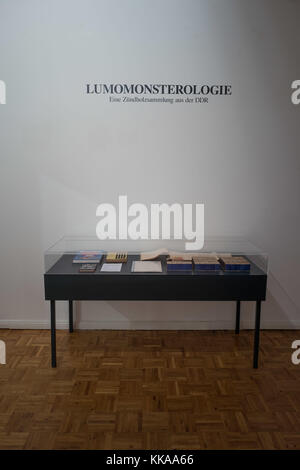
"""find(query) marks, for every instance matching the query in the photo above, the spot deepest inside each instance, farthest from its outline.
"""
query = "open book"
(174, 255)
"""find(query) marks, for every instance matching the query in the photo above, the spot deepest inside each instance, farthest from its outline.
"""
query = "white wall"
(239, 155)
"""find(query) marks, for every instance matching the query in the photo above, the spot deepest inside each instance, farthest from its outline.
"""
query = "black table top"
(63, 281)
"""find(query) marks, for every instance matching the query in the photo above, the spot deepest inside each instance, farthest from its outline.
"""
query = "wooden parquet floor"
(149, 390)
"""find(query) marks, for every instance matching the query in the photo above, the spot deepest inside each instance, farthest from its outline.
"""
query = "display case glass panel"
(222, 247)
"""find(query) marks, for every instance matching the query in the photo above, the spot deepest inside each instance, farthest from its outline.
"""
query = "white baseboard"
(149, 325)
(31, 325)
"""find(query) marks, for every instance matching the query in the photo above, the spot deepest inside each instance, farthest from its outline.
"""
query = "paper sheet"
(146, 267)
(111, 267)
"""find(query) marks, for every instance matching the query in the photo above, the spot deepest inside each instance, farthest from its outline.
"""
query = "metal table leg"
(256, 335)
(53, 333)
(71, 316)
(237, 318)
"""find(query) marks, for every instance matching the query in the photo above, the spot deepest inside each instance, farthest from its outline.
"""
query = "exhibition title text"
(158, 89)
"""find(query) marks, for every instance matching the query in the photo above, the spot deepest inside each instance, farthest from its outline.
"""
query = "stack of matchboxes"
(208, 263)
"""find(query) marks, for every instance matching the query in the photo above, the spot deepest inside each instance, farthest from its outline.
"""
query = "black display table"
(64, 282)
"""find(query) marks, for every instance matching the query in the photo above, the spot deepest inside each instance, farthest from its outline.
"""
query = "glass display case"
(220, 246)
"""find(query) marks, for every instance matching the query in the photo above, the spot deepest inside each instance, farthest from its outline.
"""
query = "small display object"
(111, 267)
(88, 257)
(116, 257)
(152, 255)
(206, 263)
(170, 254)
(235, 263)
(175, 266)
(88, 268)
(146, 267)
